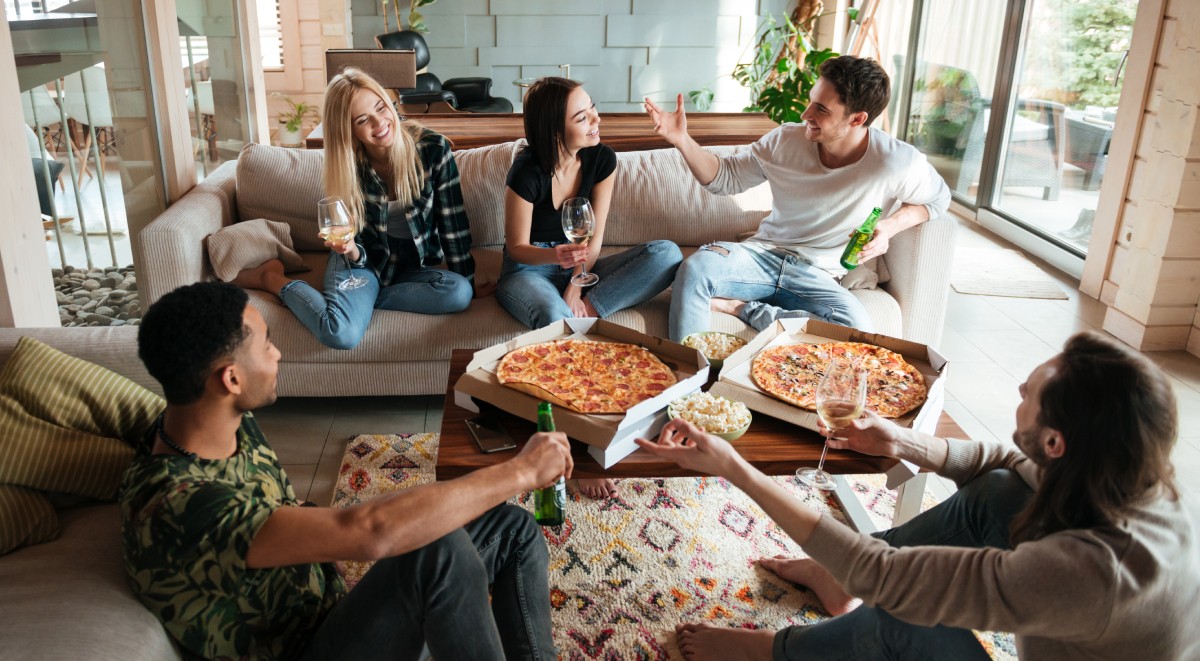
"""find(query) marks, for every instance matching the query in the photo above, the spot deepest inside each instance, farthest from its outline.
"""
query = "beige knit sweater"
(1130, 591)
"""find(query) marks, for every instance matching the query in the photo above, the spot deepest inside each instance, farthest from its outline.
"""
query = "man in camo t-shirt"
(218, 547)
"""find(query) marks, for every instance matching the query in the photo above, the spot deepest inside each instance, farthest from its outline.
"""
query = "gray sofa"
(408, 354)
(68, 598)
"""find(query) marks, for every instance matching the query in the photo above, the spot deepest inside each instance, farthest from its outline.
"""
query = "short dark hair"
(861, 83)
(545, 119)
(1116, 411)
(185, 332)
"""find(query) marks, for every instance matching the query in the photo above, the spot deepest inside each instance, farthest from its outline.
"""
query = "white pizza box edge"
(735, 382)
(610, 437)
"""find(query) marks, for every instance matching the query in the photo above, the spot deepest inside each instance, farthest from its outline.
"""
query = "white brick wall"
(623, 50)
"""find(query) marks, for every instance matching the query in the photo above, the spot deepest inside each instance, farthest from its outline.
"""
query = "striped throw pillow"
(68, 426)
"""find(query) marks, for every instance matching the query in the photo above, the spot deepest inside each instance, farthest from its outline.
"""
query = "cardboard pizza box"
(610, 438)
(735, 381)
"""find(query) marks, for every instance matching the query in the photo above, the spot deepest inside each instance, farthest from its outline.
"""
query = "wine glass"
(337, 229)
(579, 223)
(841, 395)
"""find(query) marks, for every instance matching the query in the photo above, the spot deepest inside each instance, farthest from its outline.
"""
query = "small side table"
(523, 85)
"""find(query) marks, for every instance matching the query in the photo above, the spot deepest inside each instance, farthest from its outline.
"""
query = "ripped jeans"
(774, 284)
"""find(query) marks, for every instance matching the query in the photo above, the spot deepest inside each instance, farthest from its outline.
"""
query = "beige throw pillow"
(249, 243)
(68, 427)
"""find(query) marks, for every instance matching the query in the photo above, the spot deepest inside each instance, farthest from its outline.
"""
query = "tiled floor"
(992, 344)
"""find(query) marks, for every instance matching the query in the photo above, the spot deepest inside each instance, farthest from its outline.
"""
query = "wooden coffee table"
(773, 446)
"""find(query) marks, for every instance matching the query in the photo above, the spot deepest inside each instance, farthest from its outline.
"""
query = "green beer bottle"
(549, 503)
(861, 236)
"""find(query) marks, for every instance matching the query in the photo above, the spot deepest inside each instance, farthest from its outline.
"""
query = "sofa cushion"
(285, 185)
(655, 196)
(483, 172)
(69, 598)
(250, 243)
(64, 421)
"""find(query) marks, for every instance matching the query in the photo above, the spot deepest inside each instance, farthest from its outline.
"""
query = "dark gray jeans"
(438, 596)
(975, 516)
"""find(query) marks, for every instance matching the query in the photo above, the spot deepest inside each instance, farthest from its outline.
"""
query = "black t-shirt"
(529, 181)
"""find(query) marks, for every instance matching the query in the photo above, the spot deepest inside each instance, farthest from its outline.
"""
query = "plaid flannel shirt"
(436, 219)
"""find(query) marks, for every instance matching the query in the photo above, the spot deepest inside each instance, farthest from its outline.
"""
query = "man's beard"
(1029, 442)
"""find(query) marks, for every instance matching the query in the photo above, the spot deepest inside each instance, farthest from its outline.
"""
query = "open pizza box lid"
(610, 437)
(736, 383)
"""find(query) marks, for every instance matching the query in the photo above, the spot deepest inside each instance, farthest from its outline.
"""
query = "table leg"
(855, 513)
(908, 499)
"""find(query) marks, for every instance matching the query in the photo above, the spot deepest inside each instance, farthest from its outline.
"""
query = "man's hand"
(570, 255)
(870, 434)
(692, 448)
(546, 457)
(671, 126)
(876, 247)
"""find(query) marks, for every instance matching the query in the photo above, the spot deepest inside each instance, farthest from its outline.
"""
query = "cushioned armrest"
(173, 243)
(410, 98)
(469, 90)
(920, 261)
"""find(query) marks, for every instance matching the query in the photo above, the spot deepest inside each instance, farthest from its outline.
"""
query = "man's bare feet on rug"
(597, 489)
(704, 641)
(810, 574)
(267, 277)
(727, 305)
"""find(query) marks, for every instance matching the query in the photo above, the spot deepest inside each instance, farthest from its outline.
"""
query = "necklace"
(162, 433)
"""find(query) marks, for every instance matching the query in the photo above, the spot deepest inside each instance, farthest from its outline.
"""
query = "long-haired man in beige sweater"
(1077, 540)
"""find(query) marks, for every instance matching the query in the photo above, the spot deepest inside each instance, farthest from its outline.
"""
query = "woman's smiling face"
(582, 123)
(372, 122)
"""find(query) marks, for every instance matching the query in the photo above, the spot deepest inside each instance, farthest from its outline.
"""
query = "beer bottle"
(861, 236)
(549, 503)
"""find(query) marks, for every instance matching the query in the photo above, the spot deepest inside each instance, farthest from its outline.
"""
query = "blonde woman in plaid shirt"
(401, 185)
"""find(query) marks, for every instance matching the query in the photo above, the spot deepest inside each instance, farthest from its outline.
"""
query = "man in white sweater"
(825, 176)
(1077, 540)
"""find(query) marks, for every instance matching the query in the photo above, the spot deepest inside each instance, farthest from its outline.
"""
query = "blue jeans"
(976, 516)
(437, 596)
(532, 293)
(339, 318)
(774, 284)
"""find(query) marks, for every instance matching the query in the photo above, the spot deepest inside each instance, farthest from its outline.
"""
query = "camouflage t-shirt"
(187, 526)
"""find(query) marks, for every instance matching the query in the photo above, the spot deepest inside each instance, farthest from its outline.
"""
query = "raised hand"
(547, 456)
(671, 126)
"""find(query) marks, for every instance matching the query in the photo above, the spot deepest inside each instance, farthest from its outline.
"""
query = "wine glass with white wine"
(579, 223)
(841, 395)
(337, 229)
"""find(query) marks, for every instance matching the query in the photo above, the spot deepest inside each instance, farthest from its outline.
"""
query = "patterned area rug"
(625, 571)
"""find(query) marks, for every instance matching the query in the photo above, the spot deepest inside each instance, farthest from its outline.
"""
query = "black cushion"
(406, 40)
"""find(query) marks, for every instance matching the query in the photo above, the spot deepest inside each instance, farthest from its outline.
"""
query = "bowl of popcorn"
(715, 346)
(715, 415)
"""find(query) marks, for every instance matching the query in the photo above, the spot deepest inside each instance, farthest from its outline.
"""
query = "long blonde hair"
(344, 153)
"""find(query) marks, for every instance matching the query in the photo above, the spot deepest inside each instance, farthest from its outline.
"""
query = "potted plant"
(784, 65)
(416, 21)
(292, 120)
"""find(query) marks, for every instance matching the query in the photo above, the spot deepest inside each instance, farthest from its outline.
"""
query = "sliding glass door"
(1013, 102)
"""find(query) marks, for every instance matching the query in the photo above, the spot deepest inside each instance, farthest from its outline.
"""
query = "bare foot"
(810, 574)
(727, 305)
(587, 305)
(597, 489)
(267, 277)
(705, 641)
